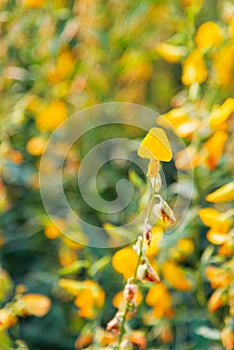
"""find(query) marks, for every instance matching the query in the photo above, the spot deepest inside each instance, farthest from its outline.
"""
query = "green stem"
(127, 306)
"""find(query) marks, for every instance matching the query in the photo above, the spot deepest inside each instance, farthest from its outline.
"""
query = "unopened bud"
(167, 214)
(114, 324)
(130, 292)
(148, 234)
(145, 272)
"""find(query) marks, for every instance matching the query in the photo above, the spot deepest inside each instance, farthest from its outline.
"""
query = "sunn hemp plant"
(155, 147)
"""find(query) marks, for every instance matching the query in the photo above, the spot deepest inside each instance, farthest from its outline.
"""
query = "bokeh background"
(59, 57)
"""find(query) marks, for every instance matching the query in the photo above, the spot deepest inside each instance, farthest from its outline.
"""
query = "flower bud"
(145, 272)
(130, 292)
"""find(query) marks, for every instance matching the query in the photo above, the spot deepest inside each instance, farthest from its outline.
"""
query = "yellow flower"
(194, 69)
(170, 53)
(36, 146)
(183, 248)
(36, 304)
(217, 276)
(222, 194)
(34, 3)
(214, 148)
(51, 231)
(90, 297)
(217, 300)
(155, 145)
(179, 121)
(174, 274)
(124, 261)
(51, 116)
(64, 67)
(160, 298)
(219, 223)
(7, 319)
(219, 114)
(191, 3)
(208, 34)
(188, 158)
(223, 62)
(212, 217)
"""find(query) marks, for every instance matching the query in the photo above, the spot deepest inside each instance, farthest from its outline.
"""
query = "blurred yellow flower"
(51, 231)
(170, 53)
(214, 148)
(220, 114)
(217, 300)
(208, 34)
(174, 274)
(212, 217)
(182, 250)
(223, 63)
(34, 3)
(63, 69)
(36, 146)
(160, 298)
(155, 145)
(51, 116)
(179, 121)
(90, 297)
(7, 319)
(36, 304)
(191, 3)
(124, 261)
(188, 158)
(222, 194)
(217, 276)
(194, 69)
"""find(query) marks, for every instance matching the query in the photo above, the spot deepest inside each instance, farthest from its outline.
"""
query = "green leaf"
(76, 266)
(99, 265)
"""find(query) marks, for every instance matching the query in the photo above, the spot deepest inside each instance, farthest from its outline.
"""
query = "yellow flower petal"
(221, 113)
(216, 237)
(50, 117)
(155, 145)
(212, 217)
(223, 62)
(208, 34)
(214, 147)
(174, 274)
(36, 304)
(194, 69)
(36, 146)
(222, 194)
(170, 53)
(124, 261)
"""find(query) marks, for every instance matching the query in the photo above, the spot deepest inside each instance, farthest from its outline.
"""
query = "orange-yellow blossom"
(170, 53)
(222, 194)
(124, 261)
(208, 34)
(36, 304)
(179, 121)
(220, 114)
(194, 69)
(174, 274)
(160, 298)
(51, 116)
